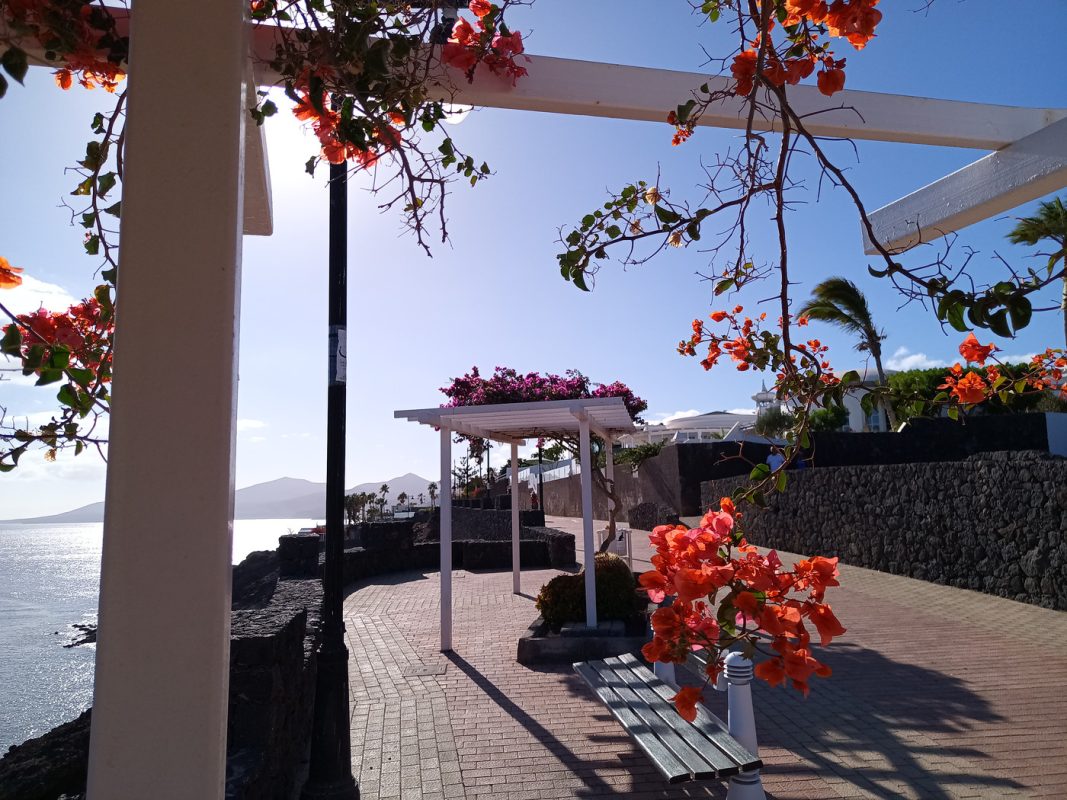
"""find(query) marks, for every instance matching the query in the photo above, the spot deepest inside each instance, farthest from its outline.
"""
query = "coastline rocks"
(48, 766)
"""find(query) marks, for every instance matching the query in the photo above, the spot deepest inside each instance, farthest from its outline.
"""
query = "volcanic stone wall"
(994, 522)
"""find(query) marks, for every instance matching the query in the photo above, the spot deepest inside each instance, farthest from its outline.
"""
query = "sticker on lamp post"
(338, 355)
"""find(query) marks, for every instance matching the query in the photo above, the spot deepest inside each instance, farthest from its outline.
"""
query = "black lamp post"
(330, 774)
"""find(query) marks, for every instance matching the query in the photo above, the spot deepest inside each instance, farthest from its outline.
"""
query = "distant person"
(533, 500)
(775, 459)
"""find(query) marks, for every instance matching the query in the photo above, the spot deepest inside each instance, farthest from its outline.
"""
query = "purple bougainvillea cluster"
(506, 385)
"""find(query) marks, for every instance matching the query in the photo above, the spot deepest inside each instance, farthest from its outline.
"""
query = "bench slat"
(698, 767)
(641, 679)
(708, 724)
(665, 761)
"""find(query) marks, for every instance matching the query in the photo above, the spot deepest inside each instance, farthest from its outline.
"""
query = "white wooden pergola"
(196, 173)
(513, 423)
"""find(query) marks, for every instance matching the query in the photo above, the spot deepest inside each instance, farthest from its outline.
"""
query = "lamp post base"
(331, 752)
(340, 790)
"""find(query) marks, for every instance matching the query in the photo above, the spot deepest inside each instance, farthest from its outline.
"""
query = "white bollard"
(665, 672)
(742, 724)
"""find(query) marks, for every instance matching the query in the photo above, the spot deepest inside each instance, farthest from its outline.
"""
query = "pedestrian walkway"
(937, 693)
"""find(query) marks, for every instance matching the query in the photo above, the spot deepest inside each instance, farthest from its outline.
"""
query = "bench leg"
(742, 724)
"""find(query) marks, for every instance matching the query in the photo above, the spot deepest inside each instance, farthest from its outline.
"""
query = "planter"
(540, 645)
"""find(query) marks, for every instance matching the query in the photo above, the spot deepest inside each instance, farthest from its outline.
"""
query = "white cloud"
(250, 425)
(904, 359)
(665, 418)
(1014, 358)
(33, 294)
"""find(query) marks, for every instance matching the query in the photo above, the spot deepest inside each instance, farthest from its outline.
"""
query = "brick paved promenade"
(937, 693)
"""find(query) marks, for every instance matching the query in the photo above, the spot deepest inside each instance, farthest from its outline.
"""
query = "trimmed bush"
(562, 599)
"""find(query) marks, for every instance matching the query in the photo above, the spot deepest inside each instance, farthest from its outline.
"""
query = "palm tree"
(384, 489)
(402, 498)
(1050, 223)
(431, 489)
(840, 302)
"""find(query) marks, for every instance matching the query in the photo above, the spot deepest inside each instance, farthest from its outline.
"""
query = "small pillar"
(298, 555)
(742, 724)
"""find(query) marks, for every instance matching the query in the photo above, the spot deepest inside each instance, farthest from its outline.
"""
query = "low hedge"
(562, 599)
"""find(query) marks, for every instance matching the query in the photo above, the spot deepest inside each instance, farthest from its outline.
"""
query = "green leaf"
(998, 323)
(665, 215)
(14, 63)
(954, 412)
(759, 499)
(1021, 311)
(67, 396)
(578, 276)
(3, 91)
(1020, 386)
(88, 219)
(11, 344)
(49, 376)
(105, 183)
(780, 481)
(759, 472)
(724, 285)
(84, 188)
(954, 314)
(92, 245)
(115, 209)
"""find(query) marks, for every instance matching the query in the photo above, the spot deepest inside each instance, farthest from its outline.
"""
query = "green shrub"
(562, 599)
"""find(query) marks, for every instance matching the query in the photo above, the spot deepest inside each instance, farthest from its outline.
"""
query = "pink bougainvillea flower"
(480, 7)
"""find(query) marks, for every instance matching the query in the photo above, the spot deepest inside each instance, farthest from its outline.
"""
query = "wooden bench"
(704, 749)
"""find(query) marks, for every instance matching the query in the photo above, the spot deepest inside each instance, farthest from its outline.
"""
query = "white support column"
(516, 528)
(446, 540)
(742, 724)
(589, 556)
(162, 660)
(609, 474)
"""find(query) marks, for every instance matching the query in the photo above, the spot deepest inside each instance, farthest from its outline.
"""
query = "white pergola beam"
(162, 660)
(596, 89)
(1025, 170)
(571, 86)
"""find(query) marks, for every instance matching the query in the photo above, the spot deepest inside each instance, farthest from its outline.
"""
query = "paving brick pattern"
(937, 693)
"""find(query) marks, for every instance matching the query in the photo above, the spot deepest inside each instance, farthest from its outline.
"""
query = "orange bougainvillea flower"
(64, 78)
(970, 388)
(744, 71)
(686, 702)
(772, 670)
(9, 277)
(718, 316)
(831, 81)
(822, 617)
(974, 352)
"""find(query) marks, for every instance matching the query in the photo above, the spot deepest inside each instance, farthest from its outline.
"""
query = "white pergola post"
(162, 660)
(609, 474)
(446, 540)
(589, 557)
(515, 527)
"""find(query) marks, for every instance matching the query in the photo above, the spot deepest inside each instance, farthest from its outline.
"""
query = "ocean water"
(49, 577)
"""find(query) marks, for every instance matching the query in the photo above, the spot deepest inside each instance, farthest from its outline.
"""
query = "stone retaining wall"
(994, 522)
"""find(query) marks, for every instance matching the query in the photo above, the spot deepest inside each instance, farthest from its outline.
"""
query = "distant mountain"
(284, 498)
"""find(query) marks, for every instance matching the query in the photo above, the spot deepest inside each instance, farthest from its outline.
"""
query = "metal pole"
(330, 773)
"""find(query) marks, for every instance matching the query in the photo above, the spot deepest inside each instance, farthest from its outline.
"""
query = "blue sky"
(493, 295)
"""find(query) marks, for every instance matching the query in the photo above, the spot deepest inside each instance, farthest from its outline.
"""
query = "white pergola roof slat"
(607, 416)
